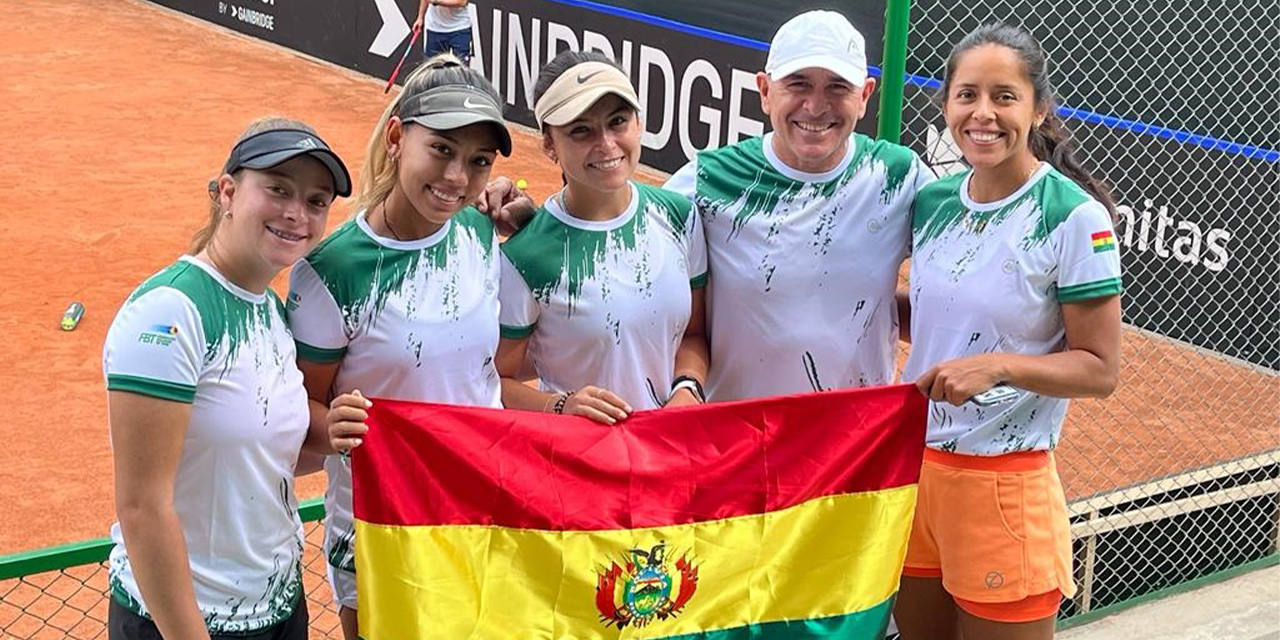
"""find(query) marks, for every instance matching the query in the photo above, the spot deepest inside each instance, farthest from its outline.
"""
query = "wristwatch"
(691, 383)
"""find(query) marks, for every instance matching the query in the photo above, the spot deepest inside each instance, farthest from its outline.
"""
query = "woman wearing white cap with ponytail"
(402, 300)
(602, 289)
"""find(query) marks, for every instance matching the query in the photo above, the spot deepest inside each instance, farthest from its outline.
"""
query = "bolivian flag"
(777, 518)
(1103, 241)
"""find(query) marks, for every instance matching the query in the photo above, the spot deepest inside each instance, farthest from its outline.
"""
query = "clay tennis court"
(116, 114)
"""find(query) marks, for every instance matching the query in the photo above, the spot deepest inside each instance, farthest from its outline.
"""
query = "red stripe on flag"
(1100, 235)
(429, 464)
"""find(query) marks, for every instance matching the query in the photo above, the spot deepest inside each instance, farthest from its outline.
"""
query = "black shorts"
(123, 624)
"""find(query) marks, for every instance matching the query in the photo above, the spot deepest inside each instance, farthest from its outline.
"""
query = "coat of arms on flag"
(645, 587)
(775, 518)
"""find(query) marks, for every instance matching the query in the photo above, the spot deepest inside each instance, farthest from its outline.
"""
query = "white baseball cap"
(823, 39)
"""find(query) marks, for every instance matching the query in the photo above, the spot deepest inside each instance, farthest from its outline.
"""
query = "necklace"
(973, 186)
(564, 204)
(387, 221)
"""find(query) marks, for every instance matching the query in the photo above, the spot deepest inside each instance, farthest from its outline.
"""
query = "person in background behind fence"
(402, 300)
(207, 409)
(1015, 280)
(448, 25)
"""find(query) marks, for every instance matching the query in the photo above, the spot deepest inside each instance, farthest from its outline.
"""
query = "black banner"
(699, 89)
(763, 18)
(364, 35)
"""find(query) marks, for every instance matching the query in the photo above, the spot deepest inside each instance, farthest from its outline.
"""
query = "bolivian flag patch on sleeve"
(1103, 241)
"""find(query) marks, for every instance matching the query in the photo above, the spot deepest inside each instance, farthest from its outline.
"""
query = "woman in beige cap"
(603, 288)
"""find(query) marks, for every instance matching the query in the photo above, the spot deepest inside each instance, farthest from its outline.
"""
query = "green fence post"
(897, 19)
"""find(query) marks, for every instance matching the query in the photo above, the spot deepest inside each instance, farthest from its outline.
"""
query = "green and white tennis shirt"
(805, 264)
(992, 277)
(606, 303)
(189, 335)
(411, 320)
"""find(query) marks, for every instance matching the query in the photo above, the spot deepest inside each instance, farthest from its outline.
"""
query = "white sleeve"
(924, 175)
(314, 317)
(697, 251)
(518, 310)
(155, 346)
(685, 181)
(1088, 255)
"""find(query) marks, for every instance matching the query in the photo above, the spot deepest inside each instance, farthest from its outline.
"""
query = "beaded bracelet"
(561, 401)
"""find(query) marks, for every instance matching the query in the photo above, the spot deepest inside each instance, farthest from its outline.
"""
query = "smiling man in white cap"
(806, 226)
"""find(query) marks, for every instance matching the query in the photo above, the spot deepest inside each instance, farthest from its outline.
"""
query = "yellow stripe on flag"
(827, 556)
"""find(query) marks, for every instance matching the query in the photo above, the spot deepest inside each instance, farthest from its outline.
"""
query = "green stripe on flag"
(868, 624)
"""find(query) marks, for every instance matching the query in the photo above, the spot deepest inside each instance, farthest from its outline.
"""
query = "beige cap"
(578, 88)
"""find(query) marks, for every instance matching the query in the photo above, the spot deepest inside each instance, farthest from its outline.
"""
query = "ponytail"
(380, 172)
(1052, 143)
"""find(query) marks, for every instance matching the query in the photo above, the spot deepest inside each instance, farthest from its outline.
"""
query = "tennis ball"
(522, 184)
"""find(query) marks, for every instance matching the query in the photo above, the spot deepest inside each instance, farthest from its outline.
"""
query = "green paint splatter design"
(739, 178)
(227, 319)
(340, 552)
(362, 275)
(938, 209)
(282, 594)
(550, 254)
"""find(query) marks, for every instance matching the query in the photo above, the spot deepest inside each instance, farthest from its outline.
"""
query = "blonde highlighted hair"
(380, 171)
(202, 237)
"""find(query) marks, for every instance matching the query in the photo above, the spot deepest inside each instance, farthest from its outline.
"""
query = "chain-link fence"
(72, 602)
(1175, 476)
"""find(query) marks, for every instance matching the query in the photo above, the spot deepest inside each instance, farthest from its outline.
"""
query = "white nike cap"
(823, 39)
(578, 88)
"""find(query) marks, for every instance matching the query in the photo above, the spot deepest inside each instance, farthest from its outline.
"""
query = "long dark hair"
(1051, 141)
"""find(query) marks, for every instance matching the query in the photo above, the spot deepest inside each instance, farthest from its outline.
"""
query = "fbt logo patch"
(295, 299)
(159, 334)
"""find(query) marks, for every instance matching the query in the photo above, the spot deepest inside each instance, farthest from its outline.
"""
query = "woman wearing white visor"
(603, 288)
